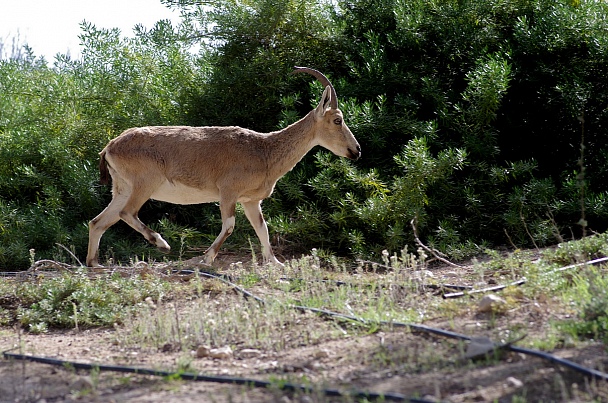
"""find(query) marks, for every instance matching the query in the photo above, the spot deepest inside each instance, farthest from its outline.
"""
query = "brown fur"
(182, 164)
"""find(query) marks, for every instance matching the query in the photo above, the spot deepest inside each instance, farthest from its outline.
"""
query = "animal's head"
(331, 131)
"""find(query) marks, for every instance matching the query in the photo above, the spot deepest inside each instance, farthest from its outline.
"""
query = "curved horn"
(324, 80)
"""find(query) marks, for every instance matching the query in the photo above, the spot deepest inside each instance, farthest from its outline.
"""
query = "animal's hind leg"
(98, 225)
(227, 209)
(129, 215)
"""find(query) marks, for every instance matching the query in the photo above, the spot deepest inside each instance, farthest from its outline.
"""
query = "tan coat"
(188, 165)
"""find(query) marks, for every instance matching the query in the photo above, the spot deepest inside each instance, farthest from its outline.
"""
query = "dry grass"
(272, 341)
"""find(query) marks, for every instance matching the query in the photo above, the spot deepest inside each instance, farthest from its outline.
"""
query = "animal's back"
(205, 139)
(196, 157)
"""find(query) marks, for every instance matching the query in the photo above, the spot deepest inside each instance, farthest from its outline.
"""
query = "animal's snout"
(355, 155)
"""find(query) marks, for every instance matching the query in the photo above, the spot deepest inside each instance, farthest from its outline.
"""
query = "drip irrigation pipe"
(332, 314)
(290, 387)
(337, 283)
(229, 280)
(440, 332)
(235, 287)
(590, 372)
(186, 376)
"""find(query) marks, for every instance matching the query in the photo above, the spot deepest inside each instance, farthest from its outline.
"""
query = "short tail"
(104, 173)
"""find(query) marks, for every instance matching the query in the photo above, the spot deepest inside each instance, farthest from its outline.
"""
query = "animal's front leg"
(253, 211)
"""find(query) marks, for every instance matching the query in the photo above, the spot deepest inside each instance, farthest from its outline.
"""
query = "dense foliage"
(482, 122)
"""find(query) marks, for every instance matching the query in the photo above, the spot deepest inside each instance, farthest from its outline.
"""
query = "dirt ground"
(421, 365)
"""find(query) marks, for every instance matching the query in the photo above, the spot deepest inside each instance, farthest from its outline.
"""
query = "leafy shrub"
(483, 120)
(590, 297)
(74, 299)
(55, 120)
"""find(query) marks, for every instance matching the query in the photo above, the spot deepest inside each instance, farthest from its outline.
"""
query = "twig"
(49, 264)
(581, 176)
(509, 238)
(431, 251)
(556, 232)
(71, 254)
(523, 221)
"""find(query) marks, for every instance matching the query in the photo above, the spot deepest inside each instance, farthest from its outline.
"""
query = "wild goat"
(189, 165)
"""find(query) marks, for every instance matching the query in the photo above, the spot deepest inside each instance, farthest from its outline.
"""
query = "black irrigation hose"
(288, 387)
(332, 314)
(590, 372)
(427, 329)
(421, 328)
(440, 332)
(295, 387)
(186, 376)
(339, 283)
(227, 280)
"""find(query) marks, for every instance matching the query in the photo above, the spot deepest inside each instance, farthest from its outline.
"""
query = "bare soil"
(396, 361)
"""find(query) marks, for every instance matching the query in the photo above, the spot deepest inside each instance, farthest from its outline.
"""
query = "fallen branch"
(433, 252)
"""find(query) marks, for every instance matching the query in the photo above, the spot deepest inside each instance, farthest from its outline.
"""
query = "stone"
(221, 353)
(512, 381)
(321, 354)
(202, 351)
(150, 302)
(249, 353)
(82, 383)
(491, 303)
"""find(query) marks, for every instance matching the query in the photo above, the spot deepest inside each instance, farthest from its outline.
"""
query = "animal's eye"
(338, 121)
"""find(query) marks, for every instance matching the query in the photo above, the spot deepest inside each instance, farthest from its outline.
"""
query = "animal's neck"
(290, 145)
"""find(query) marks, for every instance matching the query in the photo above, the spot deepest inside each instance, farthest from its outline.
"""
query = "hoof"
(208, 259)
(164, 249)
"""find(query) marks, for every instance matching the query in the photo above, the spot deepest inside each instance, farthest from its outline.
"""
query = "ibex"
(189, 165)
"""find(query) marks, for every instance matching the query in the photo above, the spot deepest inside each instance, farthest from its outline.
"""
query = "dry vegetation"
(275, 342)
(176, 314)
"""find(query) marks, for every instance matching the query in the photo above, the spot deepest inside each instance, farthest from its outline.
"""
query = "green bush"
(75, 300)
(507, 82)
(482, 120)
(589, 296)
(55, 120)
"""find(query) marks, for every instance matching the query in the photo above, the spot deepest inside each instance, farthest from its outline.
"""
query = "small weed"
(73, 300)
(184, 364)
(249, 279)
(589, 297)
(38, 328)
(588, 248)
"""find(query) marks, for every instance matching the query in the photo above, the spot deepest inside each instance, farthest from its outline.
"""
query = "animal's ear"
(324, 103)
